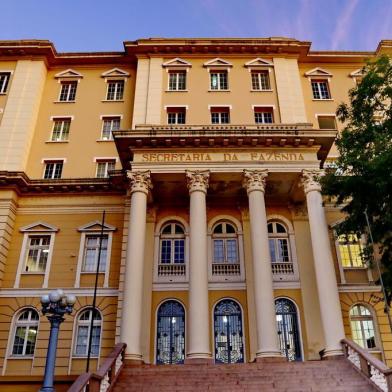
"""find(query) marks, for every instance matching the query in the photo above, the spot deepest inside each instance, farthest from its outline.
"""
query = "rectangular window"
(320, 89)
(103, 168)
(68, 91)
(264, 115)
(115, 90)
(60, 130)
(219, 80)
(177, 80)
(220, 115)
(326, 122)
(4, 79)
(109, 125)
(350, 250)
(176, 115)
(260, 80)
(91, 252)
(37, 253)
(53, 169)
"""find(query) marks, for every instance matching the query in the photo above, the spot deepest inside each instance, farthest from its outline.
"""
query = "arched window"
(172, 244)
(362, 326)
(83, 330)
(225, 243)
(25, 336)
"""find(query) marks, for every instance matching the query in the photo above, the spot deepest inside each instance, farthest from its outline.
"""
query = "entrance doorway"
(228, 334)
(170, 333)
(288, 331)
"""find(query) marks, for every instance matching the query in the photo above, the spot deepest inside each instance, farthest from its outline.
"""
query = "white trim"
(182, 63)
(88, 227)
(358, 73)
(115, 73)
(219, 106)
(46, 160)
(63, 74)
(258, 62)
(7, 71)
(30, 227)
(67, 116)
(11, 336)
(298, 321)
(38, 292)
(262, 106)
(105, 159)
(318, 72)
(154, 359)
(358, 288)
(325, 114)
(186, 107)
(242, 322)
(217, 62)
(23, 253)
(103, 116)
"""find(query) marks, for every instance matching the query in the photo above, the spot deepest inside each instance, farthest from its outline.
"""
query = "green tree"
(362, 178)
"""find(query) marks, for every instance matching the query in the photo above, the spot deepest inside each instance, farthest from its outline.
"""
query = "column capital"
(310, 180)
(197, 180)
(139, 181)
(254, 180)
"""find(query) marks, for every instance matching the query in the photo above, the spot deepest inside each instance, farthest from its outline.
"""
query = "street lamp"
(57, 304)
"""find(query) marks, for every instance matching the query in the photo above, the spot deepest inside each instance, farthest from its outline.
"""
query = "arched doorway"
(288, 331)
(170, 333)
(228, 335)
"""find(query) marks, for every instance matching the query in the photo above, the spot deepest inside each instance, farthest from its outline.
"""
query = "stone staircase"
(332, 376)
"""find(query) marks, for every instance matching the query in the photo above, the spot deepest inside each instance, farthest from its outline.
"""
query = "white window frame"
(240, 242)
(294, 277)
(115, 80)
(210, 109)
(219, 82)
(260, 71)
(76, 330)
(319, 80)
(183, 107)
(59, 118)
(11, 339)
(94, 228)
(157, 248)
(106, 162)
(177, 72)
(105, 118)
(6, 83)
(64, 82)
(270, 107)
(45, 161)
(35, 229)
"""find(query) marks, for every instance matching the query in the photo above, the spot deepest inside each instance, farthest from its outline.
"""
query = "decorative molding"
(140, 181)
(358, 73)
(96, 226)
(197, 180)
(217, 62)
(258, 62)
(359, 288)
(177, 62)
(38, 292)
(68, 73)
(115, 73)
(40, 227)
(254, 180)
(318, 72)
(310, 180)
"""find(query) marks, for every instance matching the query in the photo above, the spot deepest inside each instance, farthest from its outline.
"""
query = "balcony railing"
(171, 270)
(283, 268)
(375, 370)
(227, 269)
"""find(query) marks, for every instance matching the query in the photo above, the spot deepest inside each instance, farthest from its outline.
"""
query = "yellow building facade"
(205, 156)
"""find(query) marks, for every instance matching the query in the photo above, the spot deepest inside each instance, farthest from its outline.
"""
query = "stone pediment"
(358, 73)
(96, 226)
(217, 62)
(258, 62)
(39, 227)
(115, 73)
(68, 73)
(177, 62)
(318, 72)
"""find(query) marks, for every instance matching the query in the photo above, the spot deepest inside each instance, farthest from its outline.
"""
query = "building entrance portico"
(200, 176)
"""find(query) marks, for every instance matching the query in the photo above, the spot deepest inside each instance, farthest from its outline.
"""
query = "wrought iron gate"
(229, 347)
(170, 333)
(288, 332)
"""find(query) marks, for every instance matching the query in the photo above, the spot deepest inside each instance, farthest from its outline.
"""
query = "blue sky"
(98, 25)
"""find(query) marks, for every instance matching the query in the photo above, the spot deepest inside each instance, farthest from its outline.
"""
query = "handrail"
(374, 369)
(104, 378)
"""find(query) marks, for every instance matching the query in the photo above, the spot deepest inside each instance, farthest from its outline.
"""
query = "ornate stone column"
(198, 319)
(331, 313)
(267, 338)
(131, 322)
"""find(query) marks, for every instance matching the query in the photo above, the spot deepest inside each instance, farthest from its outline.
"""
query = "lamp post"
(57, 304)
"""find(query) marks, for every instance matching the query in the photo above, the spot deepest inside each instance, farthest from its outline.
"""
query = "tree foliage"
(362, 178)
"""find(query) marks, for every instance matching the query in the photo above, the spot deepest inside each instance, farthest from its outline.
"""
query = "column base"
(199, 359)
(133, 359)
(333, 354)
(271, 359)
